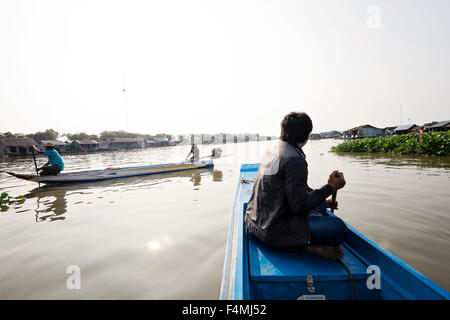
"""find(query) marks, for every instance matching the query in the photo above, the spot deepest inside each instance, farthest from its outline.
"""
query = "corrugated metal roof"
(160, 139)
(362, 126)
(55, 142)
(440, 124)
(86, 141)
(404, 127)
(18, 142)
(123, 140)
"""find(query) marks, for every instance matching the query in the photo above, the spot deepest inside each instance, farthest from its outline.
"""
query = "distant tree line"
(81, 136)
(48, 134)
(124, 134)
(51, 134)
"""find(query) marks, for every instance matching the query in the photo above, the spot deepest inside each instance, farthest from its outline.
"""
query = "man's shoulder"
(289, 158)
(295, 164)
(289, 153)
(50, 152)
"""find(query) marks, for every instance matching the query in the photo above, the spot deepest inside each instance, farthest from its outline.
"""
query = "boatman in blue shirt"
(55, 163)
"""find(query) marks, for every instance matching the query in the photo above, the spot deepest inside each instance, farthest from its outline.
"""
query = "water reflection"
(217, 176)
(52, 209)
(196, 179)
(51, 201)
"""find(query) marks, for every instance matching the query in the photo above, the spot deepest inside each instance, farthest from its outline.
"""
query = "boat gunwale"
(228, 284)
(392, 259)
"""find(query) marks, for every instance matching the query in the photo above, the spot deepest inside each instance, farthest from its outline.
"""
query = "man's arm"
(36, 149)
(299, 196)
(47, 164)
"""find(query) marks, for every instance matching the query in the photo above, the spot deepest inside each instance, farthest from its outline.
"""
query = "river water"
(164, 236)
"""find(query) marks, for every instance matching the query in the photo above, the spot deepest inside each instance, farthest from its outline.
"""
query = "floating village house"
(314, 136)
(407, 128)
(16, 146)
(389, 130)
(83, 145)
(60, 146)
(180, 140)
(364, 131)
(242, 138)
(254, 137)
(157, 142)
(333, 134)
(440, 126)
(123, 143)
(235, 138)
(228, 138)
(175, 142)
(207, 138)
(196, 138)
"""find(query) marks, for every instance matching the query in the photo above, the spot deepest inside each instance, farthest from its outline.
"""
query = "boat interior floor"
(309, 275)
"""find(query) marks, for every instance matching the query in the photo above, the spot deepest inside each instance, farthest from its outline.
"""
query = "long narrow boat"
(113, 173)
(253, 270)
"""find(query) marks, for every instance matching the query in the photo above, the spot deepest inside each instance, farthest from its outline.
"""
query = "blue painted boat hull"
(253, 270)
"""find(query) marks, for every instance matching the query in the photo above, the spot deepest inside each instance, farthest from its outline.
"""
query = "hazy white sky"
(211, 66)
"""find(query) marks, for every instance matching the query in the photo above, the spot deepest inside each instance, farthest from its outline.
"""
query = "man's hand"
(336, 183)
(332, 205)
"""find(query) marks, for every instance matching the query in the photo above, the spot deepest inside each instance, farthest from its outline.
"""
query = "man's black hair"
(296, 127)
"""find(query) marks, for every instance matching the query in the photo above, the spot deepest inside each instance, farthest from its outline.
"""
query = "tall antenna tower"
(406, 115)
(124, 92)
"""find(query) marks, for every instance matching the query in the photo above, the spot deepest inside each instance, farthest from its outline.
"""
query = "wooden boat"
(113, 173)
(253, 270)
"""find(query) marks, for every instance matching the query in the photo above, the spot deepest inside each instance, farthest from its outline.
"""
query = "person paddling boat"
(195, 153)
(55, 163)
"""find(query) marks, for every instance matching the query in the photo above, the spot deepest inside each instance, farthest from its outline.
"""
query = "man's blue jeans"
(325, 230)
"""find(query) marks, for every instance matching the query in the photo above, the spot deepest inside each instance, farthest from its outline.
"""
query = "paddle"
(35, 164)
(193, 154)
(333, 197)
(333, 201)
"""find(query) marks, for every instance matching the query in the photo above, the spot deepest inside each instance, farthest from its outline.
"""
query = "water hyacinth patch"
(430, 143)
(6, 200)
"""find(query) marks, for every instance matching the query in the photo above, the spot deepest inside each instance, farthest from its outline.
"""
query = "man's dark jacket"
(281, 198)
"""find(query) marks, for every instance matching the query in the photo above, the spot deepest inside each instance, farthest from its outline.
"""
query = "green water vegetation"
(430, 143)
(6, 200)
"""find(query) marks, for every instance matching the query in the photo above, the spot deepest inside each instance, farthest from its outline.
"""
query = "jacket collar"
(298, 149)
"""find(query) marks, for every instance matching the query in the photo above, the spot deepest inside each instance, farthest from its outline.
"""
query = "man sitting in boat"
(195, 153)
(283, 210)
(55, 163)
(215, 153)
